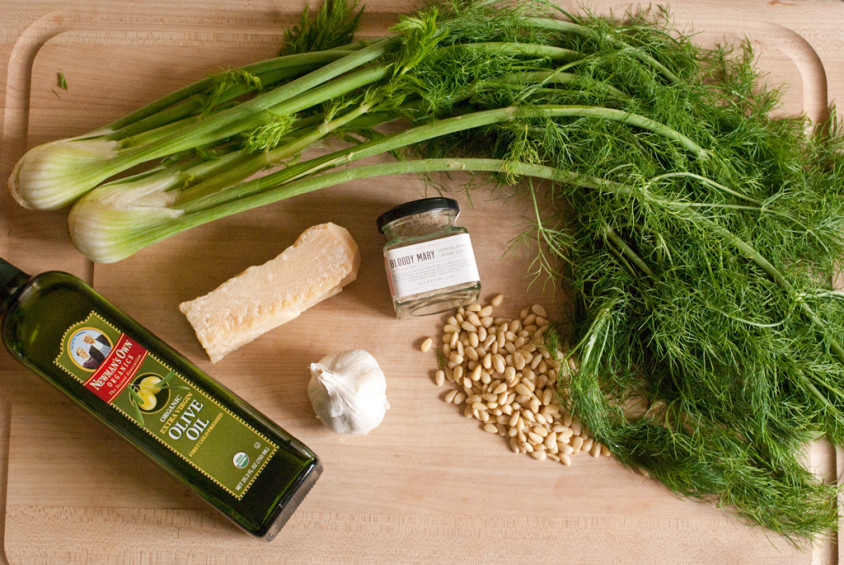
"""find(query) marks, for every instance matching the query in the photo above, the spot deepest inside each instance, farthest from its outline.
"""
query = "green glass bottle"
(230, 454)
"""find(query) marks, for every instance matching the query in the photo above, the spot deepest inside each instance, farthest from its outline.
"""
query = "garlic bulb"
(348, 392)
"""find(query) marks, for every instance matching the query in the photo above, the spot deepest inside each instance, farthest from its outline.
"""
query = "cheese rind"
(323, 260)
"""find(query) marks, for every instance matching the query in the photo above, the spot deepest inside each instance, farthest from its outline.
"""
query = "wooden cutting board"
(426, 486)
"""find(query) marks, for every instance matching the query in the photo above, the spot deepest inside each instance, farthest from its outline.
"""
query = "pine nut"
(522, 389)
(455, 337)
(498, 363)
(482, 334)
(541, 431)
(473, 319)
(497, 300)
(476, 373)
(539, 310)
(439, 377)
(474, 340)
(472, 353)
(523, 399)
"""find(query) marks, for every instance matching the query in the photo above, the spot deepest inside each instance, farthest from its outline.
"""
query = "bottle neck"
(11, 281)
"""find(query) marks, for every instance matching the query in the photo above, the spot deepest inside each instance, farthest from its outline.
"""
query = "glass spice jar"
(429, 259)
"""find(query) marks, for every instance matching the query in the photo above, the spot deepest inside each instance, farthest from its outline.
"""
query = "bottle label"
(165, 404)
(431, 265)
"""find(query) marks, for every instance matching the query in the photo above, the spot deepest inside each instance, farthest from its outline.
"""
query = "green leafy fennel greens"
(698, 233)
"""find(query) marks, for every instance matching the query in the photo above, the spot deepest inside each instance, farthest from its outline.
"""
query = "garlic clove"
(348, 392)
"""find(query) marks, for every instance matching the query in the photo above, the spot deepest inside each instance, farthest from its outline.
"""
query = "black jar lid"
(416, 207)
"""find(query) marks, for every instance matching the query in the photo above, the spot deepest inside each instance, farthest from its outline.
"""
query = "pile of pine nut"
(505, 377)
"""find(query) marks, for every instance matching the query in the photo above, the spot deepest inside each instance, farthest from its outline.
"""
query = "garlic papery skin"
(348, 391)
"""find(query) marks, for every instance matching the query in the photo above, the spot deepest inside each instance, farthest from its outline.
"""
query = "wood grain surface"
(428, 485)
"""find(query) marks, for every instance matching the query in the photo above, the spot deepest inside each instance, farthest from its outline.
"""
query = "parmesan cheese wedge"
(318, 265)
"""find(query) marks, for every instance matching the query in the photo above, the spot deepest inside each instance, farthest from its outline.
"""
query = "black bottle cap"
(8, 272)
(416, 207)
(11, 279)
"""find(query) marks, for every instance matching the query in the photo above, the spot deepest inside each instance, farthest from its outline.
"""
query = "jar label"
(165, 404)
(431, 265)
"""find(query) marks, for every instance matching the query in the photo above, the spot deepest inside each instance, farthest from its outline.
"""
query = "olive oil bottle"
(226, 451)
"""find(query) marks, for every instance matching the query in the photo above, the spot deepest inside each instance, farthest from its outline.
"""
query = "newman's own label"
(123, 374)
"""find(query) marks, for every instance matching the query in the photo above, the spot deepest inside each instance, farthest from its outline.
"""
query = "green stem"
(224, 123)
(760, 261)
(570, 27)
(627, 251)
(253, 162)
(271, 192)
(520, 49)
(420, 134)
(269, 71)
(194, 106)
(289, 98)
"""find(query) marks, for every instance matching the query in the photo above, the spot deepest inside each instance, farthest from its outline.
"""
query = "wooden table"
(426, 486)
